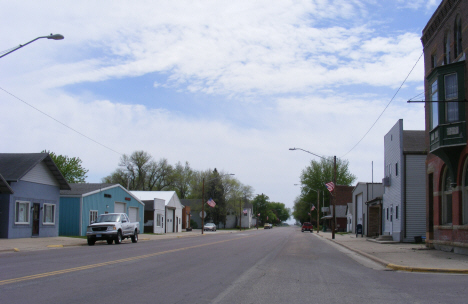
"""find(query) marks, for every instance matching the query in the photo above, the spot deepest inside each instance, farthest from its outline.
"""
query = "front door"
(35, 219)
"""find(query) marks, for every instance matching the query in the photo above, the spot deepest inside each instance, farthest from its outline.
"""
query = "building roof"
(4, 186)
(414, 141)
(151, 195)
(85, 188)
(191, 202)
(13, 166)
(350, 208)
(340, 211)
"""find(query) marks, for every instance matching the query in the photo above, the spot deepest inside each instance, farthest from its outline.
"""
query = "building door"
(35, 219)
(119, 207)
(133, 214)
(177, 224)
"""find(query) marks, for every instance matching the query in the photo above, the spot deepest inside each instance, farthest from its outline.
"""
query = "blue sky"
(221, 85)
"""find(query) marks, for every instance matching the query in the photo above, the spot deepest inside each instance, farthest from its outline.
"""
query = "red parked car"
(307, 227)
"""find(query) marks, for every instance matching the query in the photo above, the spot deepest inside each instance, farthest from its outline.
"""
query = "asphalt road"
(281, 265)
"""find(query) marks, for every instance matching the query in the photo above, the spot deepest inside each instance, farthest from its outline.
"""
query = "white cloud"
(310, 74)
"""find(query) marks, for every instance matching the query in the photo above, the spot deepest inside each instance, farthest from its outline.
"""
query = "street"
(280, 265)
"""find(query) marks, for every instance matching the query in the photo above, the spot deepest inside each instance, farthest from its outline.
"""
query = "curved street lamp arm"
(51, 36)
(292, 149)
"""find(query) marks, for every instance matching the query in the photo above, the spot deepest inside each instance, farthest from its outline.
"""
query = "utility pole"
(318, 210)
(240, 215)
(334, 198)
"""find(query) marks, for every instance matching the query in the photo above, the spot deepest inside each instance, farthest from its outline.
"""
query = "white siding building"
(166, 210)
(404, 205)
(362, 193)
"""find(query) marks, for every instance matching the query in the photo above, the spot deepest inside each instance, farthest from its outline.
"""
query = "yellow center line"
(69, 270)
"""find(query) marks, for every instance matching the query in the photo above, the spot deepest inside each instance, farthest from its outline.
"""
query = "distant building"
(362, 194)
(404, 205)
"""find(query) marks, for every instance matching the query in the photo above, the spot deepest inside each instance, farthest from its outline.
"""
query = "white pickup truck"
(113, 227)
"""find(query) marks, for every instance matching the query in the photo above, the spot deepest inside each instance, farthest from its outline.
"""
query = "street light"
(51, 36)
(203, 199)
(334, 181)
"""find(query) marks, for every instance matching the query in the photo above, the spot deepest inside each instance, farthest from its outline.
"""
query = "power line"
(56, 120)
(388, 104)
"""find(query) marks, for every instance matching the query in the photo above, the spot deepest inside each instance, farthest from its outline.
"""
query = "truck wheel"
(134, 237)
(91, 242)
(109, 241)
(118, 239)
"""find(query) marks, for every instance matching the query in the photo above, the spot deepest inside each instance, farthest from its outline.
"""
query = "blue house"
(84, 202)
(30, 185)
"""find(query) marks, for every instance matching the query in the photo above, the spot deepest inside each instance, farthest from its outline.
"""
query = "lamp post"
(203, 200)
(51, 36)
(334, 181)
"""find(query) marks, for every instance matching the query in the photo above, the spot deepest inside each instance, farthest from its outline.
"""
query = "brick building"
(343, 196)
(445, 40)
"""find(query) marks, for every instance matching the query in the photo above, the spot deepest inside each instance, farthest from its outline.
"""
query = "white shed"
(166, 210)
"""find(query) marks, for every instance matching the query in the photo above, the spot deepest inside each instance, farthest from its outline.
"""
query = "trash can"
(418, 239)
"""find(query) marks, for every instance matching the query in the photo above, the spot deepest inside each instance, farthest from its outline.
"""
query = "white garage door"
(119, 208)
(133, 214)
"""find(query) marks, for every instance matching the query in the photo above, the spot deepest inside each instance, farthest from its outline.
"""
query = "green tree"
(70, 167)
(183, 175)
(215, 190)
(313, 178)
(260, 205)
(278, 212)
(140, 172)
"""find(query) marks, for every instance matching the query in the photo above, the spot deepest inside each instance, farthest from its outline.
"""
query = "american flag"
(313, 208)
(330, 186)
(245, 211)
(211, 203)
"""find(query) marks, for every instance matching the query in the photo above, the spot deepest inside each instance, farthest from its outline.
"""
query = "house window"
(447, 200)
(396, 212)
(433, 60)
(434, 106)
(48, 217)
(22, 212)
(457, 36)
(92, 216)
(387, 214)
(396, 169)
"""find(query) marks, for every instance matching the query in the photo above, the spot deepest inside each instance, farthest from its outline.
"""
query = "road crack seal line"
(69, 270)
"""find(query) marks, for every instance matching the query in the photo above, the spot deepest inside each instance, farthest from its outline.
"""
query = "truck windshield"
(108, 218)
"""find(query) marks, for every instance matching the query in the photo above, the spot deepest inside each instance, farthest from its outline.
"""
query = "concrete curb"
(400, 267)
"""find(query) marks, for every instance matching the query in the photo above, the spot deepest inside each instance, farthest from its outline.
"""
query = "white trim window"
(22, 212)
(48, 218)
(158, 220)
(92, 216)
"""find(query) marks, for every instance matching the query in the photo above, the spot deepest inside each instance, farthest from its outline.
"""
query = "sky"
(230, 85)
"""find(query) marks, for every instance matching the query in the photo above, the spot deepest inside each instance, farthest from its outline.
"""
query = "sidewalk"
(33, 244)
(402, 256)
